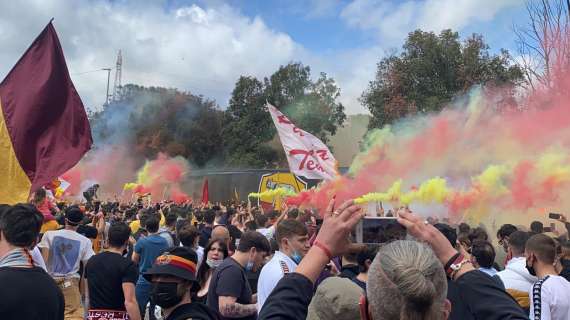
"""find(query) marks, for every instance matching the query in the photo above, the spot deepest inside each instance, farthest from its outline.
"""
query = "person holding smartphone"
(562, 218)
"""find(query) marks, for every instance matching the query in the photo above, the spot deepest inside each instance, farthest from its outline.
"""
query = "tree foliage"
(430, 71)
(154, 120)
(311, 105)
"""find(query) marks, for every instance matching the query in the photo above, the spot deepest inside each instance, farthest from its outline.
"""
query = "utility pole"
(118, 72)
(108, 80)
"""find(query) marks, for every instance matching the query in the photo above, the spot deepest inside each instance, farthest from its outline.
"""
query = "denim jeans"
(142, 292)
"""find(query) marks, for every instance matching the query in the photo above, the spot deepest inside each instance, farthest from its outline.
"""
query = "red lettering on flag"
(283, 119)
(310, 164)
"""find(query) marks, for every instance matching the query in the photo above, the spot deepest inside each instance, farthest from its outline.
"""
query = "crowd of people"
(114, 260)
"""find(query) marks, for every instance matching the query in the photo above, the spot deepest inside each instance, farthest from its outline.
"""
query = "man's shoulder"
(68, 234)
(553, 283)
(274, 263)
(227, 263)
(193, 310)
(39, 276)
(229, 266)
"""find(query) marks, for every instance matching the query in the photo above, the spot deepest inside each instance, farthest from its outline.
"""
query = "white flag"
(307, 155)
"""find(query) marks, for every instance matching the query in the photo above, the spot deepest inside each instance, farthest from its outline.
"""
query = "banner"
(44, 129)
(307, 155)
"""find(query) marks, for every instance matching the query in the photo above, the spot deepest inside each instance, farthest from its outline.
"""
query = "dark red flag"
(45, 119)
(205, 193)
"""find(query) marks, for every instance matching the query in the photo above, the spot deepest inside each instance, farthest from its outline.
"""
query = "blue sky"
(204, 46)
(326, 32)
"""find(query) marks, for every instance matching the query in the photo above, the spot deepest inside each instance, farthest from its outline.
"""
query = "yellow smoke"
(279, 192)
(130, 186)
(431, 191)
(491, 179)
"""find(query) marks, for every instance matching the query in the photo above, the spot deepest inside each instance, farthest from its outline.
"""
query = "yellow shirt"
(136, 224)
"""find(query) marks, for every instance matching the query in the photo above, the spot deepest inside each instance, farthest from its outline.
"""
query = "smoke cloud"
(479, 159)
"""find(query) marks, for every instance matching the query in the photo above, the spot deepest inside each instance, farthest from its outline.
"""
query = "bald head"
(221, 232)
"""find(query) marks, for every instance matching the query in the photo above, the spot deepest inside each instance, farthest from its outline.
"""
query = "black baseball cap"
(74, 215)
(178, 262)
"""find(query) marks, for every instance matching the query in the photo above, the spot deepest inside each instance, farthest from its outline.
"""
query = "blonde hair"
(406, 281)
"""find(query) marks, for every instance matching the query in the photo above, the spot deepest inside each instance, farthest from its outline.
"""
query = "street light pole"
(108, 79)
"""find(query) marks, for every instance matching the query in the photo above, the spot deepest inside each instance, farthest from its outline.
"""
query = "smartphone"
(554, 216)
(375, 230)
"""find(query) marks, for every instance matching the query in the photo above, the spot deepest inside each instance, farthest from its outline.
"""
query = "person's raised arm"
(279, 219)
(332, 239)
(564, 220)
(484, 298)
(292, 295)
(421, 230)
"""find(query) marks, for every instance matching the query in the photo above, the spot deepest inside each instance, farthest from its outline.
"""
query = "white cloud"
(322, 8)
(203, 50)
(351, 69)
(393, 20)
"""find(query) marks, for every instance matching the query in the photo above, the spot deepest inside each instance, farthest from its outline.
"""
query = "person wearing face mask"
(293, 241)
(216, 251)
(518, 282)
(409, 284)
(550, 295)
(172, 277)
(229, 291)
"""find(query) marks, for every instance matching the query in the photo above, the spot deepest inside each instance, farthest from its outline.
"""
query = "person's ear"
(285, 242)
(534, 259)
(367, 263)
(446, 308)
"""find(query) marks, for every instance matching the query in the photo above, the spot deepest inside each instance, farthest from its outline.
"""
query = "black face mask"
(530, 269)
(165, 294)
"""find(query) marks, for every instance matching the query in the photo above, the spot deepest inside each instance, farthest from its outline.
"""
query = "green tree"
(247, 126)
(430, 71)
(153, 120)
(312, 105)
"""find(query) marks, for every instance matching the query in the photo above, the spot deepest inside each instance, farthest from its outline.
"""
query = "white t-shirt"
(270, 275)
(550, 299)
(66, 249)
(38, 258)
(200, 254)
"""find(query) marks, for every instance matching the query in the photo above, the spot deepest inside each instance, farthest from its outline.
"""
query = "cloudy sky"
(204, 46)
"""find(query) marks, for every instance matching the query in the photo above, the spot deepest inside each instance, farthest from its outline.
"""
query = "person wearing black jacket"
(173, 277)
(27, 292)
(292, 295)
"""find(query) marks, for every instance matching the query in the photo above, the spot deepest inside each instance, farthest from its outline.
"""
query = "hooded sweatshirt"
(518, 282)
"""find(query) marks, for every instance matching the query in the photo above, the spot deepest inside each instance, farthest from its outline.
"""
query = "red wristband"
(324, 248)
